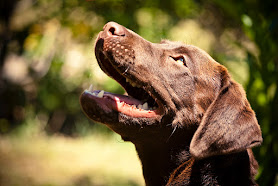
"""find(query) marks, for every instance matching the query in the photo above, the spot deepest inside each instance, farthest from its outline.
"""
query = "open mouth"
(140, 101)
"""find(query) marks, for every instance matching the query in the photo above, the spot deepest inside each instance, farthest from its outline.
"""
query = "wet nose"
(114, 29)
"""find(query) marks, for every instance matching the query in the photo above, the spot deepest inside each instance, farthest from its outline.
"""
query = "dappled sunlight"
(153, 23)
(75, 63)
(190, 32)
(15, 69)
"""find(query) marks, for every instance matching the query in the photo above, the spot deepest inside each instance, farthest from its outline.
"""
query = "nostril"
(112, 30)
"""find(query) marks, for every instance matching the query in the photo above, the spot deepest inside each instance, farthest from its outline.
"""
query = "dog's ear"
(229, 124)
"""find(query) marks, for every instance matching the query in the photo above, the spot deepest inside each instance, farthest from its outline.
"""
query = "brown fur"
(204, 128)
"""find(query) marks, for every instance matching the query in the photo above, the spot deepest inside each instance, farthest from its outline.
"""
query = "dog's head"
(170, 86)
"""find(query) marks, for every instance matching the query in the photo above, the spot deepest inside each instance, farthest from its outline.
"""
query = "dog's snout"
(114, 29)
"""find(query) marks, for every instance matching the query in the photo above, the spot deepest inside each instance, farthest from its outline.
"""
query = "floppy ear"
(229, 124)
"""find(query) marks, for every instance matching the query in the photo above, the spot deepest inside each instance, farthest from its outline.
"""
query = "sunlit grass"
(58, 160)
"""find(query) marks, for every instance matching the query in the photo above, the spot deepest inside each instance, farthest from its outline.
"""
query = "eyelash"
(180, 58)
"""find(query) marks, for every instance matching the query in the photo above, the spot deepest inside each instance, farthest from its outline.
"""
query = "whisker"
(126, 70)
(172, 133)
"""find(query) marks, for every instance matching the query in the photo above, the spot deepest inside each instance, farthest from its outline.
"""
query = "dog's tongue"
(117, 97)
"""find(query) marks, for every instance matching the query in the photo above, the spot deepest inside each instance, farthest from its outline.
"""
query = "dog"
(190, 122)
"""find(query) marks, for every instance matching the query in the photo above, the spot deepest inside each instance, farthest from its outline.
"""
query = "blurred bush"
(47, 58)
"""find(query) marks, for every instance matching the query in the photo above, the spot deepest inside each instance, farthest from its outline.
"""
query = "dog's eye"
(179, 59)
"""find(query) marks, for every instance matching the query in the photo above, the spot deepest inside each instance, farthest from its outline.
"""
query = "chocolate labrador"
(190, 122)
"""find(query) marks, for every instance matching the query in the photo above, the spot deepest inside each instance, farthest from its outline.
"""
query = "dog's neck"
(157, 164)
(159, 160)
(161, 165)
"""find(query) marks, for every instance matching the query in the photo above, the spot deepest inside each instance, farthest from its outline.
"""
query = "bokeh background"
(47, 60)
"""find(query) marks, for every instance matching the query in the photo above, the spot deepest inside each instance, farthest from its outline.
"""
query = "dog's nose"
(114, 29)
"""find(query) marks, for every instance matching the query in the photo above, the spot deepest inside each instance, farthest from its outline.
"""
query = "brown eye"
(179, 59)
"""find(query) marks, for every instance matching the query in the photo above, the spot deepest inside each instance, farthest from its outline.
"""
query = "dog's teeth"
(91, 88)
(100, 94)
(145, 106)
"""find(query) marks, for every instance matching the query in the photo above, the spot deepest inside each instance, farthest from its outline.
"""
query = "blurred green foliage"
(47, 59)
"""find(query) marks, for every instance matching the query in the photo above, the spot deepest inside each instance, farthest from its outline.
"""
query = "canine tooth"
(145, 106)
(140, 106)
(91, 88)
(100, 94)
